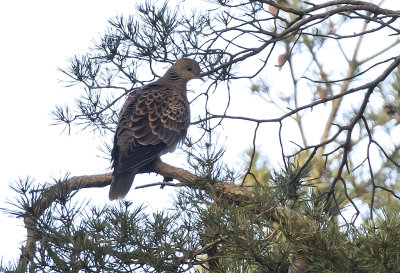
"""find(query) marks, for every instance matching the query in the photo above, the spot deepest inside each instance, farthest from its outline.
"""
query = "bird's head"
(184, 70)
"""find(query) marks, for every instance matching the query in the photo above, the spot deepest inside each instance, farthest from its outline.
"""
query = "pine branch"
(230, 192)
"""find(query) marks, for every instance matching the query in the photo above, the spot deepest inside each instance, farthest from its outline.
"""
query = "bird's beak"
(200, 77)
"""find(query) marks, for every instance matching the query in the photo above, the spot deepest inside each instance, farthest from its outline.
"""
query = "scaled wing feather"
(153, 120)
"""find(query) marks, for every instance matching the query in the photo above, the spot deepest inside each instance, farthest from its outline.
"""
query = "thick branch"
(229, 191)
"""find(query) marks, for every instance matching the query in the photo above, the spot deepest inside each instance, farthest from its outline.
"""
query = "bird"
(153, 121)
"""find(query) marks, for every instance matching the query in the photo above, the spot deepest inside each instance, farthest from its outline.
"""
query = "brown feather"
(153, 120)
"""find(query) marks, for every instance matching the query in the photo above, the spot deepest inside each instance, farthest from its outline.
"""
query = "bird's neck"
(172, 75)
(172, 79)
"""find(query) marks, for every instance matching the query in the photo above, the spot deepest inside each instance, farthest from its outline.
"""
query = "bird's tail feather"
(120, 185)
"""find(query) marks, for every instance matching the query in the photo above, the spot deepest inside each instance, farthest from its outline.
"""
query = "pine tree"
(265, 217)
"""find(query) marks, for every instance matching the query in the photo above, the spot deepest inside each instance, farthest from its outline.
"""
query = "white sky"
(37, 37)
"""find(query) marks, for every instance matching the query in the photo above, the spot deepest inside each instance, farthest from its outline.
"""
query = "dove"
(153, 121)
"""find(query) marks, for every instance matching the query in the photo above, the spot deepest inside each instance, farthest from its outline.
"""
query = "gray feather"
(120, 185)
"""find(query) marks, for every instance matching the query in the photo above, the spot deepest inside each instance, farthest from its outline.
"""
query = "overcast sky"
(37, 37)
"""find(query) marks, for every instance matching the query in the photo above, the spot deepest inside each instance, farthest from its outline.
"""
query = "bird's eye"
(189, 69)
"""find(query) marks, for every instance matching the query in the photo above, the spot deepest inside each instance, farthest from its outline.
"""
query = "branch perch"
(232, 192)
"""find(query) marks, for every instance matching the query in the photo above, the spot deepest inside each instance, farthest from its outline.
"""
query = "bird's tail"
(120, 185)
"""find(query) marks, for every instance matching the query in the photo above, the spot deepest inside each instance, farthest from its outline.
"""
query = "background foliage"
(324, 103)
